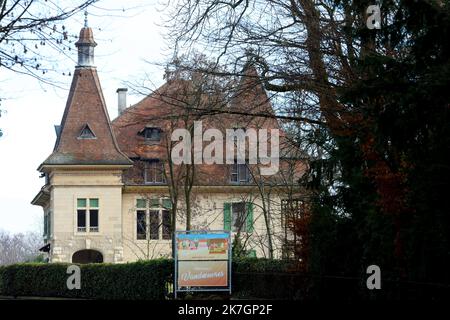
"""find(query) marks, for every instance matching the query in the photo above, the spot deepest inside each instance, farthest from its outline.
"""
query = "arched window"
(87, 256)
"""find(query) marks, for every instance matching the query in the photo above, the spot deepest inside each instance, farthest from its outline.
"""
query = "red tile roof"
(86, 105)
(166, 108)
(86, 37)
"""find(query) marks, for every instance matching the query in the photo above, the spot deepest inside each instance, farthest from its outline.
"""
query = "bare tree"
(27, 27)
(305, 55)
(181, 102)
(201, 91)
(190, 96)
(31, 31)
(19, 247)
(301, 48)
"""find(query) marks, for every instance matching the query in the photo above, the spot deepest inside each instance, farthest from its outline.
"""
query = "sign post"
(202, 261)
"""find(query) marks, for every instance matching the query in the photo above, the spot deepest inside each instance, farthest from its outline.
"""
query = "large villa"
(112, 193)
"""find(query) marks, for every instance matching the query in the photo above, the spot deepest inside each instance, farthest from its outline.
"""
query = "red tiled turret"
(85, 136)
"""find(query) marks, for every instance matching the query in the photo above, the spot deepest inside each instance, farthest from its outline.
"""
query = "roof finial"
(85, 45)
(85, 19)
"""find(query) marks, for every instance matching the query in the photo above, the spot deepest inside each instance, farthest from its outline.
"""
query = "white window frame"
(149, 166)
(239, 167)
(160, 208)
(88, 228)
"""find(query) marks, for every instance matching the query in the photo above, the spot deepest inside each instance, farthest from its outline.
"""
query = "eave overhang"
(49, 167)
(45, 248)
(42, 198)
(211, 189)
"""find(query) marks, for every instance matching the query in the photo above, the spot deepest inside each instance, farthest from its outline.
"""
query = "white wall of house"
(208, 214)
(67, 187)
(117, 239)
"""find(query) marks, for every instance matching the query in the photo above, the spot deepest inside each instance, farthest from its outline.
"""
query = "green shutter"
(93, 203)
(140, 203)
(154, 203)
(251, 253)
(81, 203)
(249, 209)
(167, 204)
(227, 216)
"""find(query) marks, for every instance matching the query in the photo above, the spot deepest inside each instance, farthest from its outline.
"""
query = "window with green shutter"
(227, 216)
(251, 253)
(154, 203)
(249, 220)
(167, 204)
(238, 216)
(93, 203)
(87, 215)
(81, 203)
(141, 203)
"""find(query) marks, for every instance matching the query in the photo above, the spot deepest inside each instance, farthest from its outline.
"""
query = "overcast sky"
(125, 40)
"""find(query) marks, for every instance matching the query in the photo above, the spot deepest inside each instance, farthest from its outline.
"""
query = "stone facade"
(66, 188)
(116, 238)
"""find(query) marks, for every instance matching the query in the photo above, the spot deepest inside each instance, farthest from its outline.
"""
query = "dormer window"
(154, 172)
(151, 134)
(86, 133)
(240, 173)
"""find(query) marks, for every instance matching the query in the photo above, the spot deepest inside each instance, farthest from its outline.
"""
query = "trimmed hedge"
(266, 279)
(139, 280)
(252, 278)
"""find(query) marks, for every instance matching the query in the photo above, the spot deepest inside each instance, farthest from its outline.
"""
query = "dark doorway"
(87, 256)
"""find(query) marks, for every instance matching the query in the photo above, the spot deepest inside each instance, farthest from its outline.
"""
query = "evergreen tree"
(387, 204)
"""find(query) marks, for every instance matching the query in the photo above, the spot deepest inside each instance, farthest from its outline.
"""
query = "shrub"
(252, 278)
(139, 280)
(266, 279)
